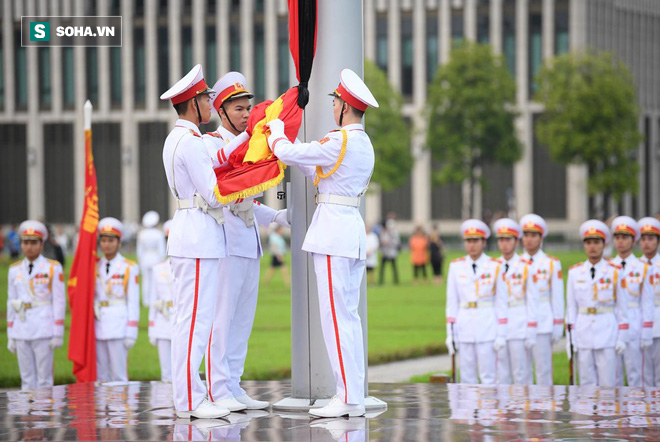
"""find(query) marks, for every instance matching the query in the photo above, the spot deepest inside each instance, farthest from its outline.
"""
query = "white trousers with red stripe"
(194, 299)
(111, 360)
(235, 309)
(35, 361)
(338, 280)
(514, 363)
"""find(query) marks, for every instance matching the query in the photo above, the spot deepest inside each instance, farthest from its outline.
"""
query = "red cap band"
(350, 99)
(191, 92)
(227, 93)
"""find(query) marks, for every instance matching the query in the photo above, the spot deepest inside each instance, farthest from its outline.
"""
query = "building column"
(394, 44)
(130, 171)
(8, 50)
(496, 25)
(199, 36)
(247, 41)
(655, 151)
(470, 19)
(35, 142)
(548, 29)
(445, 30)
(174, 40)
(222, 36)
(151, 55)
(370, 30)
(56, 68)
(271, 59)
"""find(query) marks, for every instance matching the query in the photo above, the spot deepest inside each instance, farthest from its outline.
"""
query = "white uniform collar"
(36, 262)
(113, 261)
(538, 256)
(514, 259)
(353, 126)
(600, 264)
(226, 134)
(630, 260)
(188, 125)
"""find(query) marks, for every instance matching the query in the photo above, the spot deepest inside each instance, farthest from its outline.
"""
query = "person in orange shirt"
(419, 253)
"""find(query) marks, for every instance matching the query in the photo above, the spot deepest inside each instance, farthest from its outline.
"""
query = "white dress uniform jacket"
(335, 230)
(150, 250)
(478, 310)
(36, 303)
(596, 307)
(117, 299)
(160, 311)
(188, 166)
(546, 274)
(522, 298)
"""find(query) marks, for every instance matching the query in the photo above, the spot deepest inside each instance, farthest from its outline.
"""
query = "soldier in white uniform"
(160, 312)
(195, 244)
(650, 237)
(336, 237)
(514, 361)
(116, 304)
(639, 293)
(597, 311)
(150, 250)
(35, 308)
(239, 271)
(476, 311)
(546, 274)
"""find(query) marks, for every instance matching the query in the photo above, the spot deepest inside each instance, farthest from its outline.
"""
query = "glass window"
(259, 63)
(210, 70)
(163, 63)
(381, 41)
(483, 21)
(561, 27)
(2, 76)
(186, 50)
(457, 25)
(139, 8)
(406, 55)
(235, 44)
(139, 72)
(92, 75)
(21, 73)
(115, 77)
(45, 96)
(211, 7)
(162, 8)
(68, 78)
(432, 44)
(283, 55)
(509, 35)
(535, 43)
(115, 7)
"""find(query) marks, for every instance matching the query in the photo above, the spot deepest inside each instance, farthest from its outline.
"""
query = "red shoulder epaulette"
(496, 260)
(616, 266)
(458, 259)
(552, 257)
(215, 134)
(575, 265)
(195, 133)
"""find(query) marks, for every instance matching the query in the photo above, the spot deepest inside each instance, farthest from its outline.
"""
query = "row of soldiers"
(504, 314)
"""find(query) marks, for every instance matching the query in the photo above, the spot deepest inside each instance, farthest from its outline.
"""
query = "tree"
(591, 118)
(471, 117)
(389, 132)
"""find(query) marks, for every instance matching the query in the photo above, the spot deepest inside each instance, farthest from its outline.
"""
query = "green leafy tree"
(591, 118)
(389, 132)
(471, 117)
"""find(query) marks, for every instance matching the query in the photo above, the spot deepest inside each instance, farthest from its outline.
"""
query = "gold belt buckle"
(104, 303)
(170, 304)
(27, 305)
(592, 310)
(472, 304)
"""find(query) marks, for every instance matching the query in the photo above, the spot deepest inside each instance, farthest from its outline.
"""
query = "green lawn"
(404, 321)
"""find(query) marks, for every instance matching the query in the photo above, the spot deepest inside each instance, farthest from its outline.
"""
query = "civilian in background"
(277, 246)
(390, 241)
(373, 243)
(419, 253)
(52, 249)
(437, 255)
(13, 243)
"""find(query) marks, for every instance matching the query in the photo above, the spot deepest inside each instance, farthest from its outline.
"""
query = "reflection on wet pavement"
(142, 410)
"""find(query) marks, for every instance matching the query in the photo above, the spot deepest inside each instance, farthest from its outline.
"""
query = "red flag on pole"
(82, 280)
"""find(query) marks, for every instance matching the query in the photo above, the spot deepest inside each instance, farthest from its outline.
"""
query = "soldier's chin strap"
(229, 119)
(341, 114)
(199, 114)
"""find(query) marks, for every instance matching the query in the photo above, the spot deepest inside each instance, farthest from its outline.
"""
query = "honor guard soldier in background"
(160, 312)
(195, 244)
(596, 309)
(116, 304)
(515, 359)
(639, 294)
(150, 250)
(239, 271)
(649, 228)
(336, 237)
(546, 275)
(476, 312)
(35, 308)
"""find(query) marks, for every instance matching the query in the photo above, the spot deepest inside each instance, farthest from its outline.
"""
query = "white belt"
(111, 302)
(516, 303)
(544, 298)
(475, 304)
(328, 198)
(197, 202)
(633, 304)
(595, 310)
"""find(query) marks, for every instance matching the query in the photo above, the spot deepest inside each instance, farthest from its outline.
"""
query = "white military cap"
(649, 226)
(625, 225)
(32, 229)
(188, 87)
(150, 219)
(353, 91)
(166, 227)
(111, 227)
(595, 229)
(534, 223)
(507, 228)
(474, 228)
(230, 86)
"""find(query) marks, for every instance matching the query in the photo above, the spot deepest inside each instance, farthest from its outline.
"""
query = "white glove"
(276, 127)
(646, 343)
(56, 341)
(11, 345)
(620, 347)
(557, 332)
(281, 218)
(499, 343)
(153, 341)
(449, 342)
(129, 342)
(530, 342)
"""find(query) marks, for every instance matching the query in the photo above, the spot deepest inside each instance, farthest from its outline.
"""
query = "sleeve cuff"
(451, 320)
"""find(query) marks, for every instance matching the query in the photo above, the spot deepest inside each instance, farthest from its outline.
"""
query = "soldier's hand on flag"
(281, 218)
